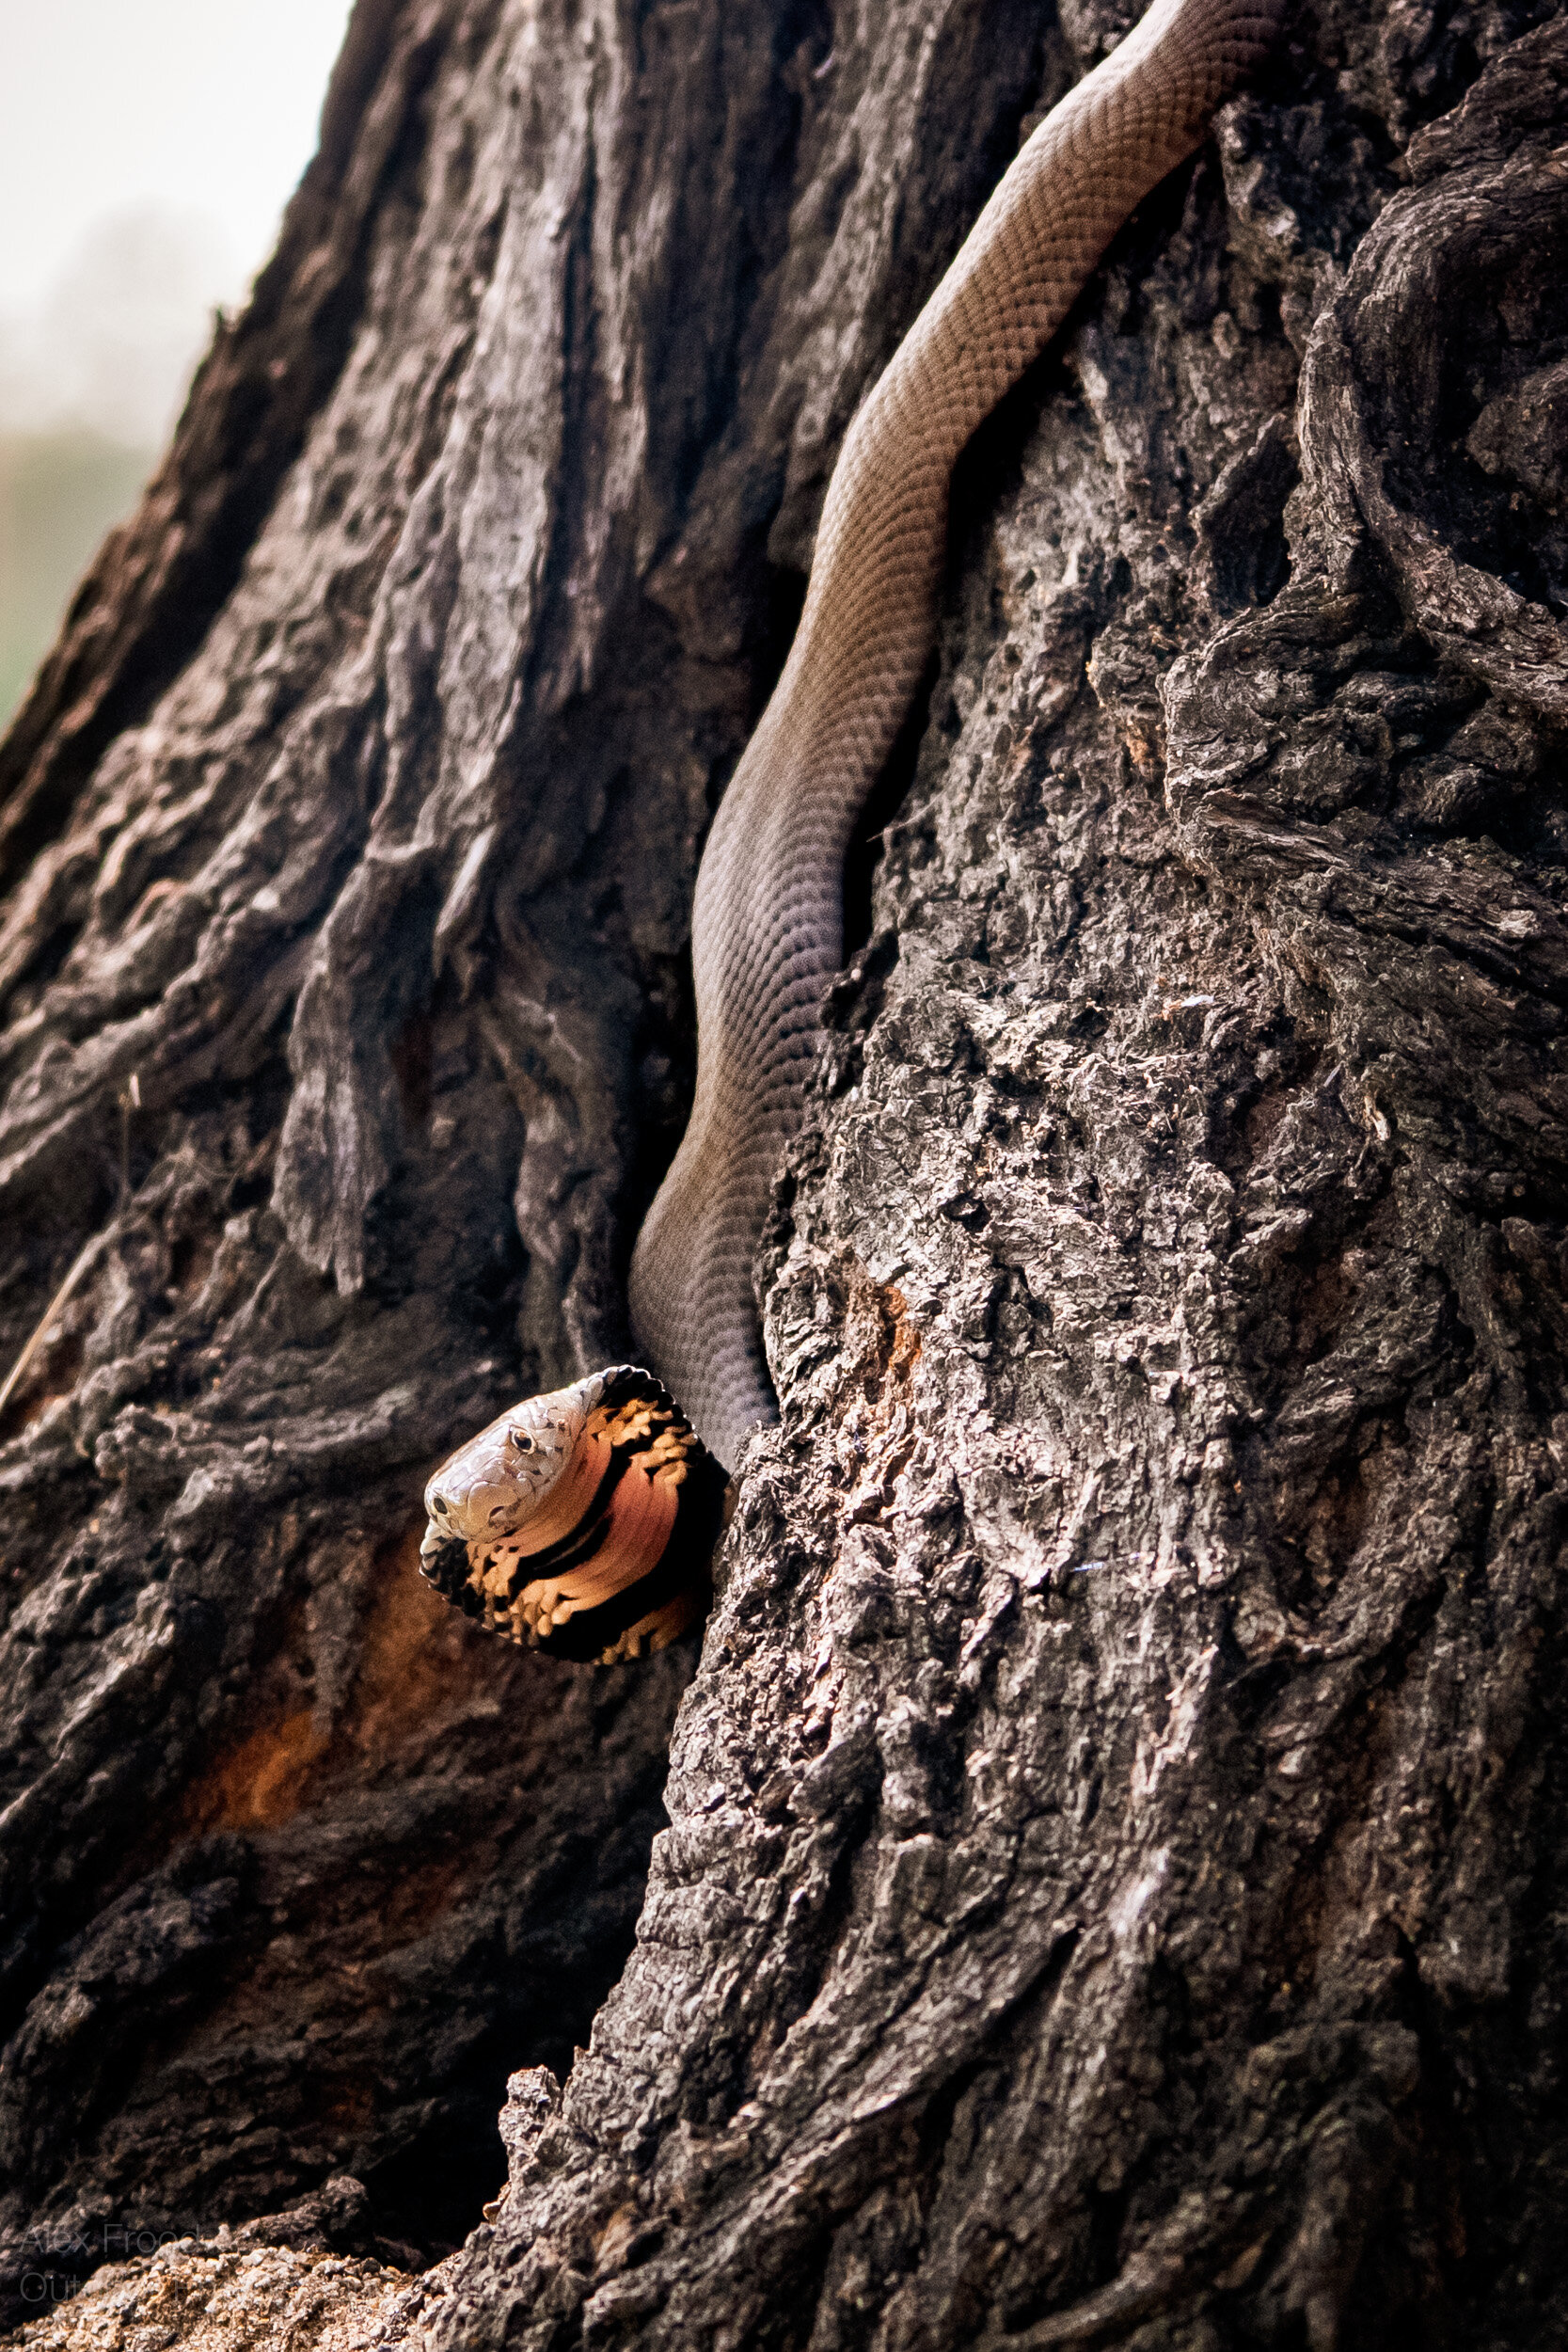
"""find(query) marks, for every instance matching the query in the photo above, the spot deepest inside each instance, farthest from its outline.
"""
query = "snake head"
(497, 1483)
(582, 1522)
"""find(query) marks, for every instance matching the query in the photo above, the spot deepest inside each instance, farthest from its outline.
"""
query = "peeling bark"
(1110, 1894)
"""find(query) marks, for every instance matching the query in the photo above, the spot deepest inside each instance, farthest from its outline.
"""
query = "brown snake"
(767, 923)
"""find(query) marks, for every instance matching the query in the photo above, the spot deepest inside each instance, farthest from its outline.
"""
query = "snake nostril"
(438, 1502)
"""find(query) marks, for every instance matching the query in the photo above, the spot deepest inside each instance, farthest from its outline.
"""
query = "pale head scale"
(493, 1486)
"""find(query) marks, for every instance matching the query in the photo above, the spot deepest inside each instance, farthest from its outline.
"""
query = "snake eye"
(521, 1440)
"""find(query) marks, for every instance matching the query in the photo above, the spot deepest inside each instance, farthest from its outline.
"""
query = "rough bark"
(1111, 1893)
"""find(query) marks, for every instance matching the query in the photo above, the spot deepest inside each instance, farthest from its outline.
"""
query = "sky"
(147, 151)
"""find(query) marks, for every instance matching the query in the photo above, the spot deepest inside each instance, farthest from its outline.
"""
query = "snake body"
(767, 922)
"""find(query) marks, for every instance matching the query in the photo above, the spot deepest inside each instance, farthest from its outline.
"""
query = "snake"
(584, 1522)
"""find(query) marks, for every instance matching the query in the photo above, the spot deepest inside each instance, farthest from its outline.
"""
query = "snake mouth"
(613, 1558)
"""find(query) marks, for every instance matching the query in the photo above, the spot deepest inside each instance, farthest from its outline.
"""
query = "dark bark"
(1112, 1893)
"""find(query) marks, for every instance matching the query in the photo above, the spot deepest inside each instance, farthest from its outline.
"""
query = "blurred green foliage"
(59, 493)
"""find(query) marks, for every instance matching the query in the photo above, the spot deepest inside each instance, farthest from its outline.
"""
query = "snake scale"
(585, 1520)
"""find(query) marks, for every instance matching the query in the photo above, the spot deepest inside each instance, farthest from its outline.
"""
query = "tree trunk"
(1110, 1894)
